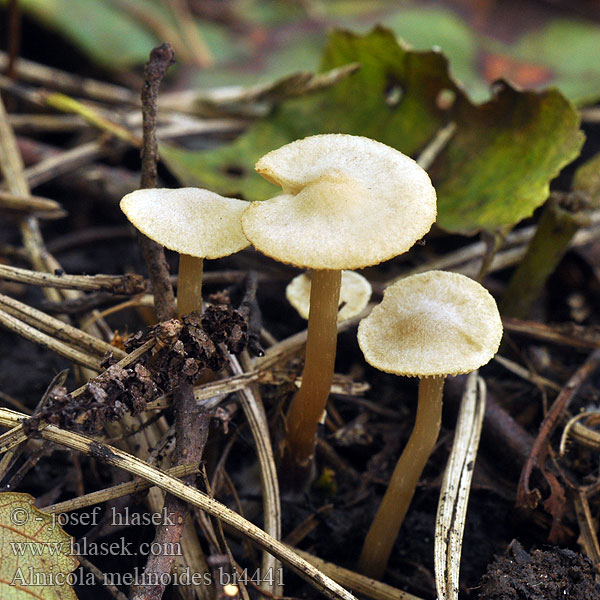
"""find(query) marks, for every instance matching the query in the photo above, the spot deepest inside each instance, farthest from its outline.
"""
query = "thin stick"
(206, 391)
(255, 414)
(61, 330)
(14, 37)
(161, 27)
(466, 260)
(436, 145)
(199, 50)
(65, 162)
(568, 334)
(28, 203)
(123, 460)
(12, 438)
(124, 362)
(69, 105)
(115, 491)
(228, 385)
(99, 576)
(357, 582)
(191, 429)
(116, 284)
(587, 527)
(11, 165)
(454, 494)
(56, 79)
(35, 335)
(156, 67)
(34, 123)
(525, 374)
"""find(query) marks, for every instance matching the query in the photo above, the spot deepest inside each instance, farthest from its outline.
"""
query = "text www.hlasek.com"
(83, 548)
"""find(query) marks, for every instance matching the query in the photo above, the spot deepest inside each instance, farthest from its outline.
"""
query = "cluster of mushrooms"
(346, 202)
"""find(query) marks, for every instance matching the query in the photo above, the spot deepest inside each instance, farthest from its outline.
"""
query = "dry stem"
(123, 460)
(164, 298)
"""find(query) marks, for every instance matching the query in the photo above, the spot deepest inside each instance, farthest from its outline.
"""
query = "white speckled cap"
(355, 294)
(188, 220)
(432, 324)
(348, 202)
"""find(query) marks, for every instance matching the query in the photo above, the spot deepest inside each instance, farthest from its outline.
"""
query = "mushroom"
(429, 326)
(355, 293)
(348, 202)
(196, 223)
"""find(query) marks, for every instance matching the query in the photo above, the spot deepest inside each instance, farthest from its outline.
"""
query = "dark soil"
(541, 575)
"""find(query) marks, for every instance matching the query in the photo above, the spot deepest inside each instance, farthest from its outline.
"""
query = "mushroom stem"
(189, 284)
(394, 506)
(307, 407)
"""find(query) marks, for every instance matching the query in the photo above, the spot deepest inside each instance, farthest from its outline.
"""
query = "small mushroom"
(429, 326)
(348, 202)
(355, 293)
(196, 223)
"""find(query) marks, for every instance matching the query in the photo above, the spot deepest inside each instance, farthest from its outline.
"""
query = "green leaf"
(494, 172)
(111, 37)
(498, 167)
(118, 35)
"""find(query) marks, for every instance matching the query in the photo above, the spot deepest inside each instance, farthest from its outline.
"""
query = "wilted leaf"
(494, 172)
(33, 549)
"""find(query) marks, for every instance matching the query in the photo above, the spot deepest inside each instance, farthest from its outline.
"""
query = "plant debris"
(183, 348)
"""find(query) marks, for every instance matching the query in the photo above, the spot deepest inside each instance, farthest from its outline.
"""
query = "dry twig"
(123, 460)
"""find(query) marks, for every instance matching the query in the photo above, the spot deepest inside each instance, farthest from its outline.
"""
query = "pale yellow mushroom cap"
(348, 202)
(430, 325)
(355, 294)
(188, 220)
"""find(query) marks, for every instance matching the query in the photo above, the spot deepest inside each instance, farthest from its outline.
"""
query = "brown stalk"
(191, 429)
(191, 421)
(308, 404)
(14, 37)
(164, 298)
